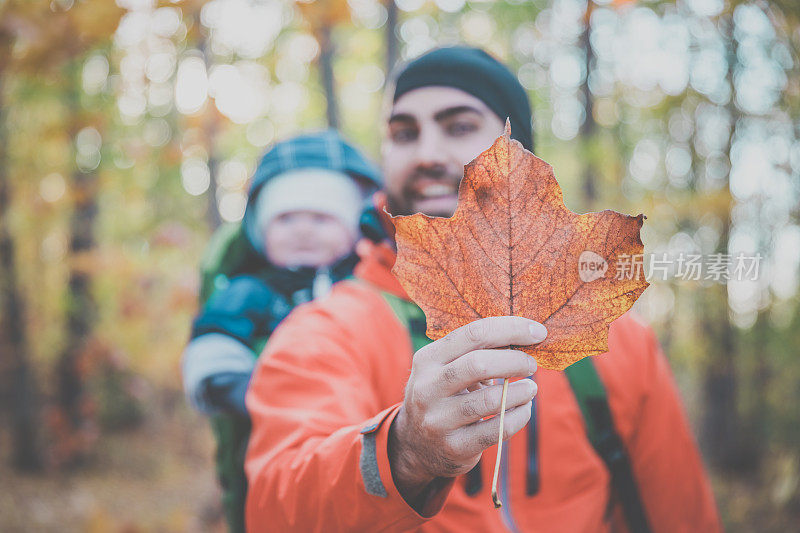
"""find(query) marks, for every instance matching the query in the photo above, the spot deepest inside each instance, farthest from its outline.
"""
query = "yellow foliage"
(320, 14)
(45, 37)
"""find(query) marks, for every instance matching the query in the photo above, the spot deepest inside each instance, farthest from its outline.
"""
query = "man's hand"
(438, 432)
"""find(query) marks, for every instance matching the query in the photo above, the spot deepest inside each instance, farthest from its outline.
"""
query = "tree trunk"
(722, 430)
(19, 391)
(721, 433)
(212, 213)
(81, 310)
(589, 126)
(757, 420)
(326, 75)
(391, 36)
(210, 127)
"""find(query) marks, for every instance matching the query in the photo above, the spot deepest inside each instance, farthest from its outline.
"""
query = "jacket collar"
(375, 267)
(378, 252)
(287, 281)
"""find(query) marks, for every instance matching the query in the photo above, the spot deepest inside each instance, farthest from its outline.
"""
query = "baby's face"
(306, 238)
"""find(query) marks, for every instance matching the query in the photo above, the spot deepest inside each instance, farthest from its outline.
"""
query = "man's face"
(432, 133)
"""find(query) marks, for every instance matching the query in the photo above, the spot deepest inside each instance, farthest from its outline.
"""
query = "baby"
(302, 222)
(309, 218)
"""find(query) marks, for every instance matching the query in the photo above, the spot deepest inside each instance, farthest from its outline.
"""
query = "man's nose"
(431, 150)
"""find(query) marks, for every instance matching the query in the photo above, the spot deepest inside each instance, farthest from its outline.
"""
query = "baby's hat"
(320, 190)
(298, 166)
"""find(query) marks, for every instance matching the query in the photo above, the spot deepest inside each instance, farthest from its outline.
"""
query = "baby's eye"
(284, 218)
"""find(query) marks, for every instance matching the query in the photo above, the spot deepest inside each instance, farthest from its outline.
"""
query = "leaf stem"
(495, 498)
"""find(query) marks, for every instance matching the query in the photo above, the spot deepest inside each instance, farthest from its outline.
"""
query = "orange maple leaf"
(513, 248)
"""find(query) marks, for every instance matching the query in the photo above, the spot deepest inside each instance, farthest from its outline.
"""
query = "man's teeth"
(436, 189)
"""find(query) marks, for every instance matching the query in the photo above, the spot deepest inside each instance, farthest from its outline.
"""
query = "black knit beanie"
(475, 72)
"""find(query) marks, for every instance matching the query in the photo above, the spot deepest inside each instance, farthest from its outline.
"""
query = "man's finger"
(491, 332)
(466, 409)
(476, 437)
(480, 365)
(480, 385)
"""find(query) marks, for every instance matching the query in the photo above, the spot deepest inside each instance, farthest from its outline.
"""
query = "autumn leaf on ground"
(513, 248)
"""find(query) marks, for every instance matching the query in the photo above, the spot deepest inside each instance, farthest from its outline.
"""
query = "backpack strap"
(593, 402)
(227, 254)
(411, 316)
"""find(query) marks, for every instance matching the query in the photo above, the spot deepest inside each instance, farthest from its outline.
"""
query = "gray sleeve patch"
(368, 464)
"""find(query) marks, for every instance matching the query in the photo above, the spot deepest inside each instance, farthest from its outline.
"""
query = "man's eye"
(404, 135)
(461, 128)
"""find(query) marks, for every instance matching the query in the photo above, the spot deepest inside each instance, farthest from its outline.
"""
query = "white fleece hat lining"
(310, 189)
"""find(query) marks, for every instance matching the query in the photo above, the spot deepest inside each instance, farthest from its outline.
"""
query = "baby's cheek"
(339, 239)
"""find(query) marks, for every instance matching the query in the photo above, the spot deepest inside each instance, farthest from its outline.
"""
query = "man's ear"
(374, 223)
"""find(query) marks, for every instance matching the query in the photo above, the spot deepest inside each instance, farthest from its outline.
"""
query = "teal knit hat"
(324, 150)
(475, 72)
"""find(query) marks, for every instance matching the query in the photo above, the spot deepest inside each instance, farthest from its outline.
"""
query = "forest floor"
(159, 477)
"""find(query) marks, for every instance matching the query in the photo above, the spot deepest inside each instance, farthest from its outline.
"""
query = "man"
(345, 438)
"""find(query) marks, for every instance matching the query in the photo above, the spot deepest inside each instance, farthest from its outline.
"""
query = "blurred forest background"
(128, 132)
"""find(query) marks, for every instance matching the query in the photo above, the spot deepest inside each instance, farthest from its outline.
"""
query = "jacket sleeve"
(208, 363)
(672, 481)
(247, 310)
(317, 458)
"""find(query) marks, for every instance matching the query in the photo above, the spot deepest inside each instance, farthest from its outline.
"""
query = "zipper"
(532, 472)
(507, 515)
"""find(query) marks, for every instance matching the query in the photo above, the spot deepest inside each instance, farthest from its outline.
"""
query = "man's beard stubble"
(403, 204)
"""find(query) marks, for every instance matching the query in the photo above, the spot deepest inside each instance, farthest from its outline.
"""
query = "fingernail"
(538, 331)
(531, 365)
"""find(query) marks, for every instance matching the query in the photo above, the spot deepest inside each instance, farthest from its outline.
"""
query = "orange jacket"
(331, 380)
